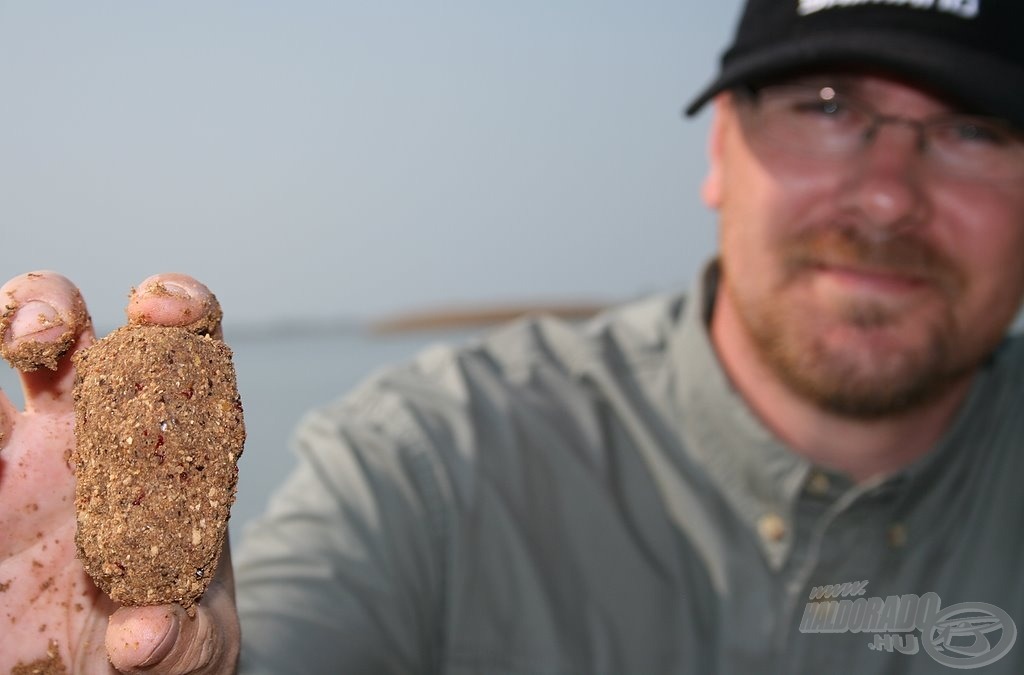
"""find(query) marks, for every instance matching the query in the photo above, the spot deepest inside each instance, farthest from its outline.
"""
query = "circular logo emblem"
(961, 636)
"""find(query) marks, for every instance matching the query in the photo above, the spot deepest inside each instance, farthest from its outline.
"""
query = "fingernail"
(169, 288)
(35, 316)
(166, 642)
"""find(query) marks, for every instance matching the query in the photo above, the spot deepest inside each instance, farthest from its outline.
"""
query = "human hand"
(52, 616)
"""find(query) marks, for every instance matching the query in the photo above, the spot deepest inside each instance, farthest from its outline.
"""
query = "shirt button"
(818, 484)
(771, 528)
(897, 535)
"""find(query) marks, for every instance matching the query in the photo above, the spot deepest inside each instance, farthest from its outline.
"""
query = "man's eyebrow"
(841, 82)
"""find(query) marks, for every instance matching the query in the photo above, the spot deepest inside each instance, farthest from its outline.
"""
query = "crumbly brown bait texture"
(51, 664)
(159, 429)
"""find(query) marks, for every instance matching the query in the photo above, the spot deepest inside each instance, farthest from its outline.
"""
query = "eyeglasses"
(820, 122)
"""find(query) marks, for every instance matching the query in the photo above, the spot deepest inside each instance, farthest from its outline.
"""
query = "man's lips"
(870, 280)
(845, 259)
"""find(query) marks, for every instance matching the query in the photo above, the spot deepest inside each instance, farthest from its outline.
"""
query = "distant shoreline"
(438, 319)
(455, 318)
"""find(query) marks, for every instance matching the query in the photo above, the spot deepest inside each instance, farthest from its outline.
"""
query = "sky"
(331, 159)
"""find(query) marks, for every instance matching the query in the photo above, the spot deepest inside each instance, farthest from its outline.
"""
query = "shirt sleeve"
(344, 573)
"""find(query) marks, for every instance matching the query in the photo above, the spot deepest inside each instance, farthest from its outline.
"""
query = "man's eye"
(820, 107)
(974, 131)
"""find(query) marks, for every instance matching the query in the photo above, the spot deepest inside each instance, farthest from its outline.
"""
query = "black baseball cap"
(970, 51)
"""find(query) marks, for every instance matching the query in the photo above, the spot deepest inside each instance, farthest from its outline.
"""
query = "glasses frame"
(1002, 159)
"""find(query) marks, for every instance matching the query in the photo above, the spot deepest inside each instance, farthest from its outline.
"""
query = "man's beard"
(859, 380)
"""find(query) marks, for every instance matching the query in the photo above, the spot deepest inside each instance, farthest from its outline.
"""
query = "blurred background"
(324, 166)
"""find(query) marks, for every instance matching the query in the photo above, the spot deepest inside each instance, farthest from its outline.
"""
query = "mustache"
(900, 255)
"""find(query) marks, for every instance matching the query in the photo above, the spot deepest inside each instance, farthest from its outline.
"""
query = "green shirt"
(598, 500)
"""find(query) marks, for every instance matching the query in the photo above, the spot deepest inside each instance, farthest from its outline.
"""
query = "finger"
(165, 640)
(175, 300)
(7, 416)
(44, 320)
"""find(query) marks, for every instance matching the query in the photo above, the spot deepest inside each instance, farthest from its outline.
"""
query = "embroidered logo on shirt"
(965, 636)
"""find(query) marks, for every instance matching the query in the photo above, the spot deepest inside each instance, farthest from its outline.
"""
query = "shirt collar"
(757, 474)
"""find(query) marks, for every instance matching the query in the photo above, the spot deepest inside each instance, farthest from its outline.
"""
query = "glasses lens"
(813, 121)
(818, 122)
(976, 146)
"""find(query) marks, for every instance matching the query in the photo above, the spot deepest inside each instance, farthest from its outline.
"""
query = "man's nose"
(886, 184)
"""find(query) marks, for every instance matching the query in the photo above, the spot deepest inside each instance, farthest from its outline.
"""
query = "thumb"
(142, 636)
(164, 639)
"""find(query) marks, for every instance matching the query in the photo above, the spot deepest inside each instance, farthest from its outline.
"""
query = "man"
(662, 491)
(810, 465)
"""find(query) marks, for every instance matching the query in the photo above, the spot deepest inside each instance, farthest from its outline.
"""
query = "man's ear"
(711, 188)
